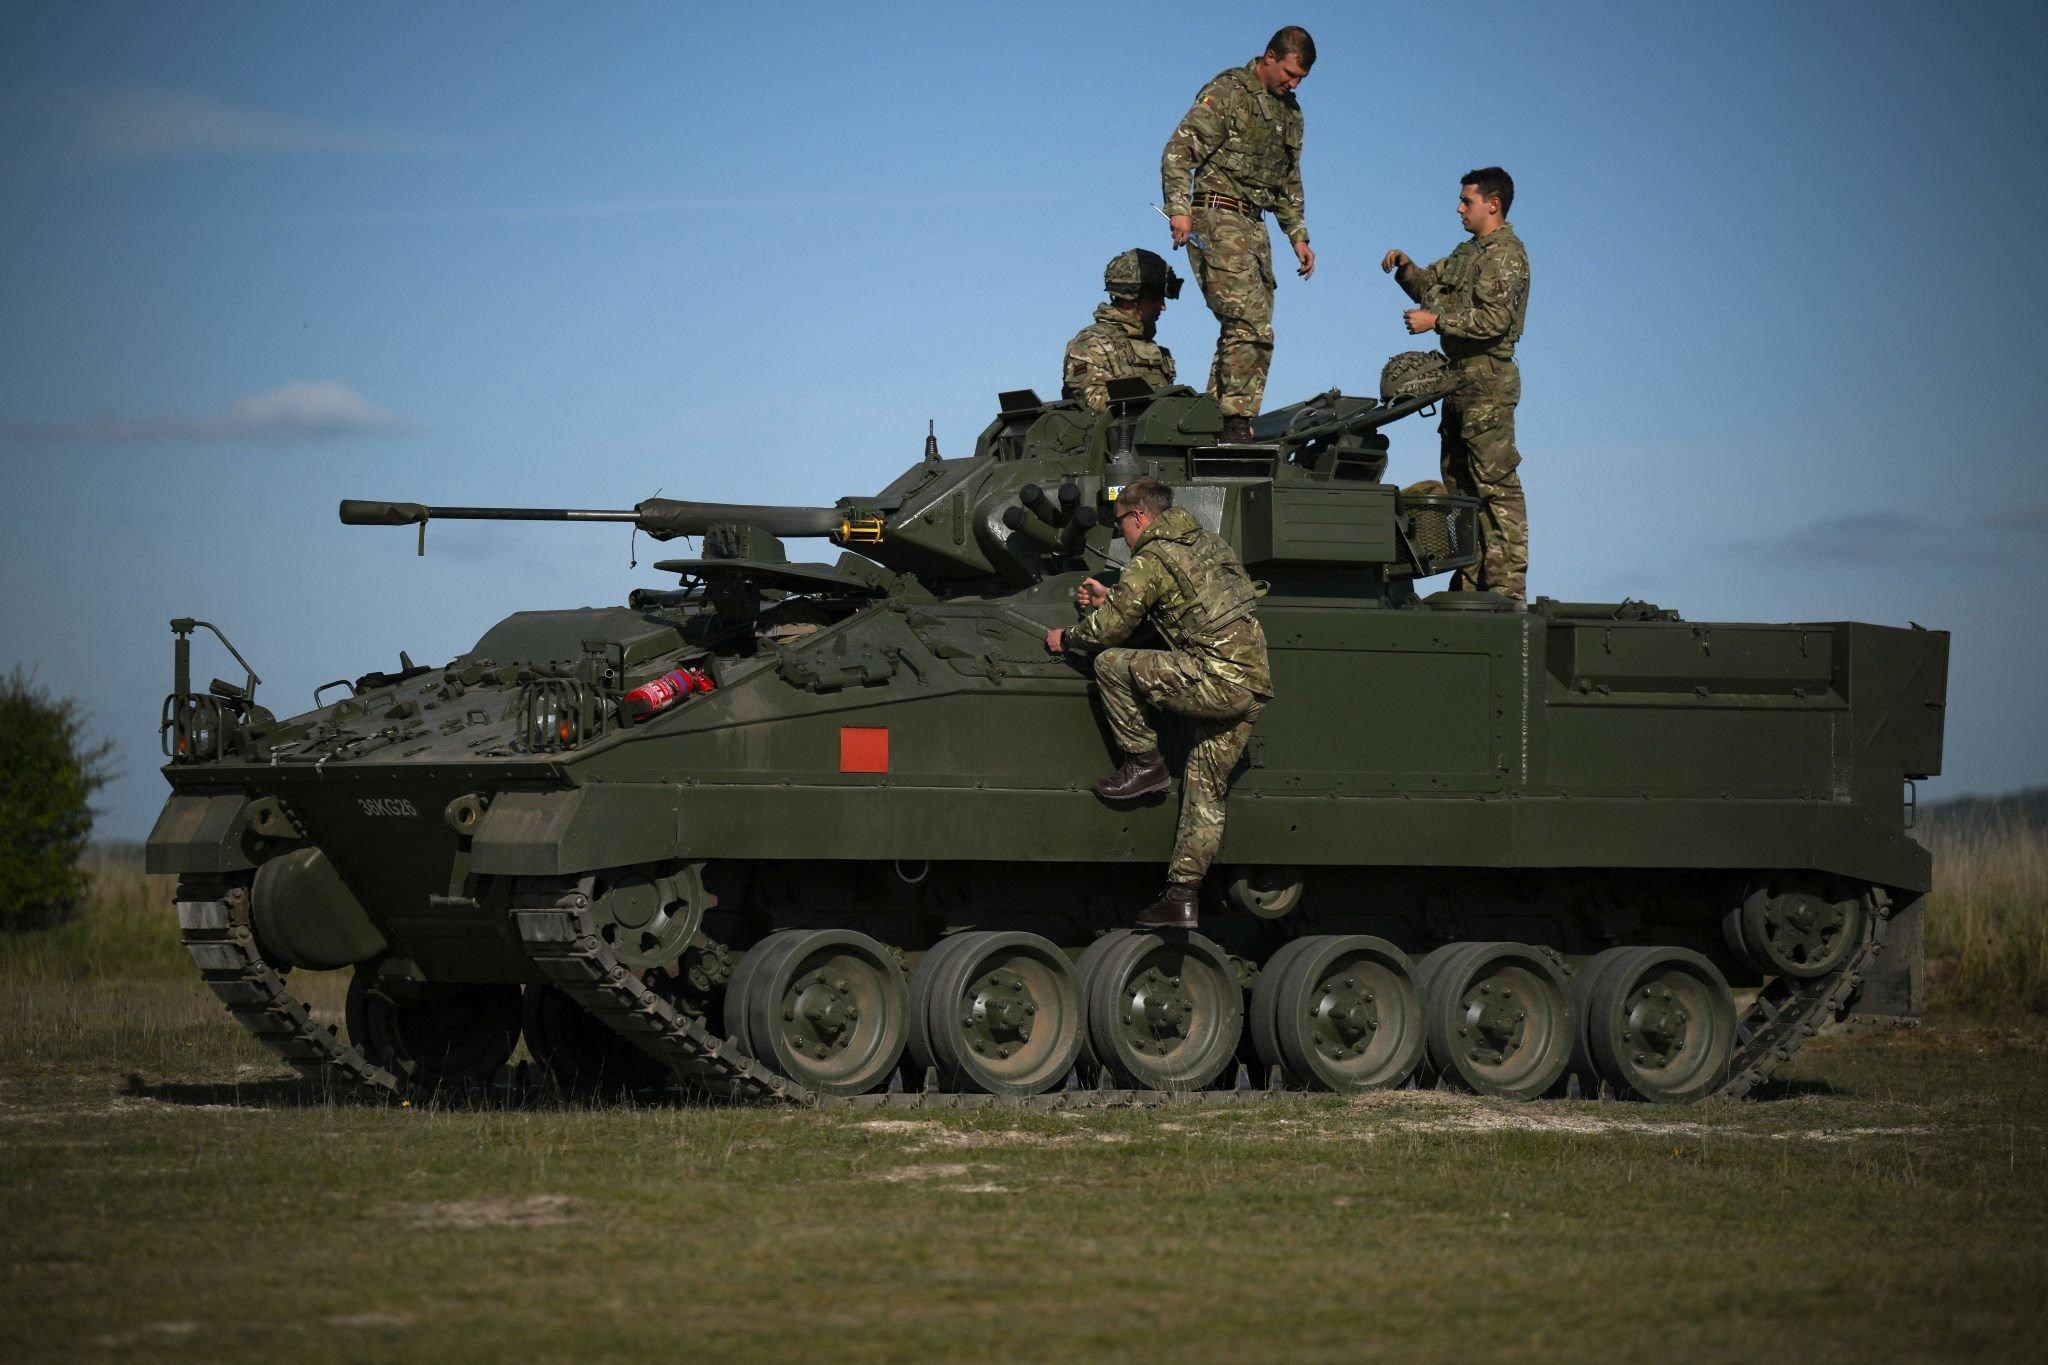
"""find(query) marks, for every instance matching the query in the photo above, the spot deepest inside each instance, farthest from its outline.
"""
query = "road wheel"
(433, 1032)
(1655, 1023)
(579, 1051)
(997, 1013)
(1498, 1018)
(827, 1008)
(1339, 1012)
(1164, 1011)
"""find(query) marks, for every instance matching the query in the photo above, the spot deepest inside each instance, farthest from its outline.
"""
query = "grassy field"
(1987, 922)
(164, 1190)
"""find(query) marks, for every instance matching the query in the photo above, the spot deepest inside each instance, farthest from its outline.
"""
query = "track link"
(213, 925)
(561, 941)
(1787, 1012)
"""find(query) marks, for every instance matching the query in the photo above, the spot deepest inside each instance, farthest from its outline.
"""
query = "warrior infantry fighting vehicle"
(809, 830)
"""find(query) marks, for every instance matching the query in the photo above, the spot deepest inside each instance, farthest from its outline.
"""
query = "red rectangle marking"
(863, 749)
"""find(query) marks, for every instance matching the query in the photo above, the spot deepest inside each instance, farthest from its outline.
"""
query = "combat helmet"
(1139, 272)
(1416, 374)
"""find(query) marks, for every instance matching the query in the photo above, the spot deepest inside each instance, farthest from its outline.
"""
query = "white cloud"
(148, 123)
(303, 410)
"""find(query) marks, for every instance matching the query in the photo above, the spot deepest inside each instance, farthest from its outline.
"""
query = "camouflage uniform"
(1191, 586)
(1244, 143)
(1114, 346)
(1480, 294)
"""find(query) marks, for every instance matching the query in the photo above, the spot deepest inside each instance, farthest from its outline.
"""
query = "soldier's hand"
(1306, 254)
(1090, 595)
(1180, 225)
(1056, 641)
(1419, 320)
(1394, 260)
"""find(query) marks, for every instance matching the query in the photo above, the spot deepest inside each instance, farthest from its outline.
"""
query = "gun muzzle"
(363, 512)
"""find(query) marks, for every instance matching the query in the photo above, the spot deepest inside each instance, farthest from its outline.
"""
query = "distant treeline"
(115, 853)
(2027, 807)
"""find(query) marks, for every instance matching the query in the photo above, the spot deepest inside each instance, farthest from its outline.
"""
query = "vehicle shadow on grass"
(283, 1092)
(515, 1089)
(1773, 1091)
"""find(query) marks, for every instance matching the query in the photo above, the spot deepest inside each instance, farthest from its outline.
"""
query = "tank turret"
(1031, 501)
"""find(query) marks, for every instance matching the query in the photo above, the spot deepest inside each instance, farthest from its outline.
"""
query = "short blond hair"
(1148, 493)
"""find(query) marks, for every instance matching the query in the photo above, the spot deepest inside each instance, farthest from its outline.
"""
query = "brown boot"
(1175, 909)
(1141, 775)
(1237, 431)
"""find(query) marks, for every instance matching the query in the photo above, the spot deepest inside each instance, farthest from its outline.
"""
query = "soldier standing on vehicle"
(1233, 159)
(1192, 587)
(1476, 298)
(1119, 343)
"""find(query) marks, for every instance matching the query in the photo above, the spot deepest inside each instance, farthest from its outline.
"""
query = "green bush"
(48, 774)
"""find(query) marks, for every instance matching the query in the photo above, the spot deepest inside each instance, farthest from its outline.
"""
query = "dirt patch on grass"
(499, 1211)
(1444, 1111)
(942, 1172)
(927, 1135)
(1852, 1134)
(149, 1332)
(901, 1126)
(938, 1170)
(369, 1321)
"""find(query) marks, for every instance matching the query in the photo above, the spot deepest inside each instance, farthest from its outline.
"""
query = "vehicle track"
(561, 941)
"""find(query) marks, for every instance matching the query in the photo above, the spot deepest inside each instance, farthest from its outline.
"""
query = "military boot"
(1175, 909)
(1141, 775)
(1237, 431)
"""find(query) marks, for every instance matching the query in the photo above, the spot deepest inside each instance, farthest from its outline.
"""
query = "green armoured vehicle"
(818, 830)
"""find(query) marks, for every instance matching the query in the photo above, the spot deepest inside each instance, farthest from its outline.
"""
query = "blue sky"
(1784, 357)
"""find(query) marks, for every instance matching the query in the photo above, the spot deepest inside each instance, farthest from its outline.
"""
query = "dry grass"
(59, 987)
(124, 928)
(1987, 920)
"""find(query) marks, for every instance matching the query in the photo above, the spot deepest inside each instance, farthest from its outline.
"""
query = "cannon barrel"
(369, 512)
(667, 518)
(662, 518)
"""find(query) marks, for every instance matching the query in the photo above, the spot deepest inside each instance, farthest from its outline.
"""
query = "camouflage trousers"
(1236, 275)
(1479, 461)
(1223, 712)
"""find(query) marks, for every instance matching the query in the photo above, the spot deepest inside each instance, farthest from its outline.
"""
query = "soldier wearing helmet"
(1119, 343)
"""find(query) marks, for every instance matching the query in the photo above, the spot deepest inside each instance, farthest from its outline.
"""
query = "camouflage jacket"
(1241, 141)
(1191, 586)
(1114, 346)
(1479, 293)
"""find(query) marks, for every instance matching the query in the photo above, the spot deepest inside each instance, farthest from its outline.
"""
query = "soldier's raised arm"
(1414, 279)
